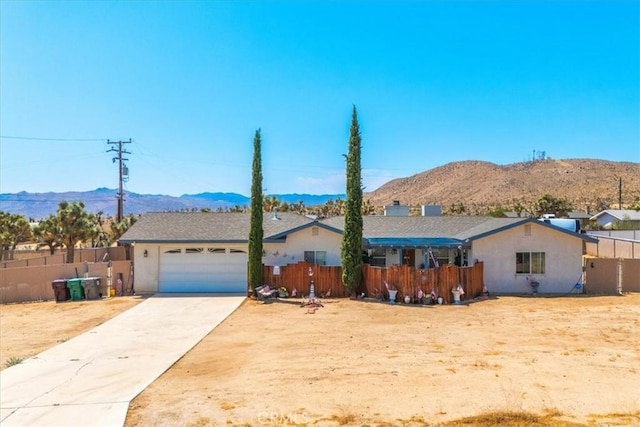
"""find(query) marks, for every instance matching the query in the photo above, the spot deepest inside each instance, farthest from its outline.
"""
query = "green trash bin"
(75, 289)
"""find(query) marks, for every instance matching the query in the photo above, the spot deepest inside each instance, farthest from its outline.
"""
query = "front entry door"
(409, 257)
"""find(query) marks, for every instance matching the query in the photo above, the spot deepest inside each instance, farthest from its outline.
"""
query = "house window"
(173, 251)
(436, 257)
(530, 262)
(378, 257)
(237, 251)
(194, 250)
(314, 231)
(216, 250)
(316, 257)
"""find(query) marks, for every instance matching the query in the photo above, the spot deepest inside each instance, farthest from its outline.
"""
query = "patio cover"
(415, 242)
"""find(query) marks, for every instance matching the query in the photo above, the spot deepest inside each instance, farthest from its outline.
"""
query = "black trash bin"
(60, 290)
(91, 287)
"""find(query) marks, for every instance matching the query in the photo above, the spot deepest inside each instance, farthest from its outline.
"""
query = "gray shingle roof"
(424, 226)
(620, 214)
(578, 215)
(435, 227)
(184, 227)
(217, 227)
(489, 225)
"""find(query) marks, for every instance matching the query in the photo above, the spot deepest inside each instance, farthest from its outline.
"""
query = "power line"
(28, 138)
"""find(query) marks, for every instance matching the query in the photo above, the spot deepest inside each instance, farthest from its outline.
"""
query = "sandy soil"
(359, 363)
(27, 329)
(370, 363)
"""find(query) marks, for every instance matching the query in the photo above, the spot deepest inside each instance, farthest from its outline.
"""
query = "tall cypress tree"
(256, 232)
(351, 251)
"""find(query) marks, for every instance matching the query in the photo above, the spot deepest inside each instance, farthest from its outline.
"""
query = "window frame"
(378, 257)
(530, 262)
(315, 257)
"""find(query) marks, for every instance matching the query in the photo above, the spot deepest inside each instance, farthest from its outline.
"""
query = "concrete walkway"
(90, 379)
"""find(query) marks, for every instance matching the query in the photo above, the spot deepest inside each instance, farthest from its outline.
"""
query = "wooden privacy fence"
(408, 280)
(326, 279)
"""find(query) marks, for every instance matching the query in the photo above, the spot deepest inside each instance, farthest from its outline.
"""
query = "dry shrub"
(511, 419)
(344, 418)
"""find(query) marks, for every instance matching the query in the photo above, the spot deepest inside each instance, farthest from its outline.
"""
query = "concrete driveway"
(90, 379)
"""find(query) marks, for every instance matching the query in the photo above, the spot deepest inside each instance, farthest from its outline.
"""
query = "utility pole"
(121, 175)
(620, 193)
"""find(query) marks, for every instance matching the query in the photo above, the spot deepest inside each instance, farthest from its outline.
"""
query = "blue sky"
(190, 82)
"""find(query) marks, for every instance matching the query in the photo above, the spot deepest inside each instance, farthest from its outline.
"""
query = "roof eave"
(531, 220)
(285, 233)
(181, 241)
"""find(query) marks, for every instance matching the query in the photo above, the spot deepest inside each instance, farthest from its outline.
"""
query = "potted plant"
(282, 292)
(393, 292)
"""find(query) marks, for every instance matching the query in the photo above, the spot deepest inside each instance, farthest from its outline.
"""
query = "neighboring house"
(607, 218)
(207, 252)
(583, 217)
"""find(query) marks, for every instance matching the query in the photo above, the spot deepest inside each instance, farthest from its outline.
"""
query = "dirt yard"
(27, 329)
(568, 361)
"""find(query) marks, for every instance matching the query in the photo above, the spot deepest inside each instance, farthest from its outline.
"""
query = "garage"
(203, 269)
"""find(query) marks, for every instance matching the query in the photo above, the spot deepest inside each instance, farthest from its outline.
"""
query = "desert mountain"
(588, 184)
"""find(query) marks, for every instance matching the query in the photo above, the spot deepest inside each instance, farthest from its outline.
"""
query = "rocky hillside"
(589, 185)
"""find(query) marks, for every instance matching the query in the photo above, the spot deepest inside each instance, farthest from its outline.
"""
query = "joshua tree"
(49, 233)
(14, 229)
(76, 225)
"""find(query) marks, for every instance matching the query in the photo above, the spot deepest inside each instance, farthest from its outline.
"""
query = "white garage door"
(197, 269)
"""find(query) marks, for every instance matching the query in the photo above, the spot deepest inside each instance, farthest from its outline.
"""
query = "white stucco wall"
(145, 270)
(292, 252)
(563, 260)
(392, 257)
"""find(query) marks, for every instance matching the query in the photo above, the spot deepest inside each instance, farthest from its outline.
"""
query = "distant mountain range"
(41, 205)
(588, 184)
